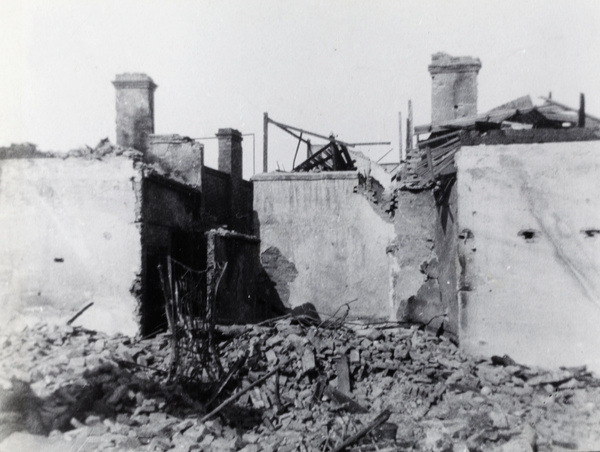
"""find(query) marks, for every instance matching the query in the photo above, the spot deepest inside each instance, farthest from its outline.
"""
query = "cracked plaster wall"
(333, 242)
(69, 237)
(530, 259)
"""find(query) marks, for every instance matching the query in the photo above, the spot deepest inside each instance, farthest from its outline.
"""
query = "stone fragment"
(250, 448)
(499, 419)
(208, 439)
(92, 420)
(250, 438)
(460, 446)
(343, 374)
(274, 340)
(196, 433)
(371, 334)
(159, 443)
(295, 340)
(308, 360)
(119, 393)
(271, 356)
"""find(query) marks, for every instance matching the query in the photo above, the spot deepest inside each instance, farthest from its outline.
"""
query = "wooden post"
(409, 128)
(581, 119)
(430, 163)
(266, 142)
(400, 147)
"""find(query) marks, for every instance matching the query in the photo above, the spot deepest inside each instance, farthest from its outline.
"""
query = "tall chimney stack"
(135, 110)
(230, 152)
(453, 87)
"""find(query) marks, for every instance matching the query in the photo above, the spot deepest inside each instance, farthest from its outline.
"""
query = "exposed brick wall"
(240, 297)
(241, 206)
(216, 194)
(230, 152)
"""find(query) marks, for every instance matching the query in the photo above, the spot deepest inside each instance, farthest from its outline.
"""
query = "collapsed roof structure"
(455, 121)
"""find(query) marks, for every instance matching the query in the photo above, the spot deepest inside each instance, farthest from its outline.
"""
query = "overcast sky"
(346, 67)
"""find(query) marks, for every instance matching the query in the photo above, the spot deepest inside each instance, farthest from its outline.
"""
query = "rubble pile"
(289, 386)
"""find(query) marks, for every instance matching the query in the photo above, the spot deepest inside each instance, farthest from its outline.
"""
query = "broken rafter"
(384, 155)
(440, 138)
(285, 126)
(285, 129)
(300, 140)
(237, 395)
(332, 157)
(565, 107)
(81, 311)
(377, 422)
(371, 143)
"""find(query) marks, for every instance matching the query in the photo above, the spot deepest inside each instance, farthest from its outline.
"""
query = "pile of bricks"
(326, 386)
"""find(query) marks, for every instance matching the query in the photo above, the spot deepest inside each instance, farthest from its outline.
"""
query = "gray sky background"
(328, 66)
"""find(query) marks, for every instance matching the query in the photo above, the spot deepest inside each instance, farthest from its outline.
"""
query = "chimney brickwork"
(230, 152)
(135, 110)
(453, 87)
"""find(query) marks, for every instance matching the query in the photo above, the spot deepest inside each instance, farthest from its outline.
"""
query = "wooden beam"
(281, 125)
(400, 147)
(409, 128)
(440, 138)
(430, 163)
(581, 119)
(265, 142)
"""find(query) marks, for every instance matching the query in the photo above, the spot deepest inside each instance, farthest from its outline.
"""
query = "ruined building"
(490, 231)
(93, 225)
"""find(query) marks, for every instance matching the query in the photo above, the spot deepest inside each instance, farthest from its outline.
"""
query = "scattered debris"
(113, 393)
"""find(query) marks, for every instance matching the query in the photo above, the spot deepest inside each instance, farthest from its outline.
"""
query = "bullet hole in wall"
(466, 234)
(590, 232)
(528, 234)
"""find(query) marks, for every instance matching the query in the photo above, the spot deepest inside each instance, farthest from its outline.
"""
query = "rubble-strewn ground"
(91, 392)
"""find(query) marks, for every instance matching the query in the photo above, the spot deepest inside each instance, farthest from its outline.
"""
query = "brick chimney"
(230, 152)
(135, 110)
(453, 87)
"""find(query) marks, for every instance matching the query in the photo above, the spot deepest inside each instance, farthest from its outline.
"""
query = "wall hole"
(528, 234)
(58, 259)
(465, 235)
(590, 232)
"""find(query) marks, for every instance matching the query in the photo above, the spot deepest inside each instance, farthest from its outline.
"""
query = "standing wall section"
(236, 281)
(529, 252)
(242, 218)
(323, 243)
(171, 226)
(216, 192)
(70, 236)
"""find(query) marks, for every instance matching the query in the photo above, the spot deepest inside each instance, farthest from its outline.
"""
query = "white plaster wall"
(333, 236)
(84, 213)
(536, 300)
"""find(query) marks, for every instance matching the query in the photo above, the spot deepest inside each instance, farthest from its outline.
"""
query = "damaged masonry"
(345, 305)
